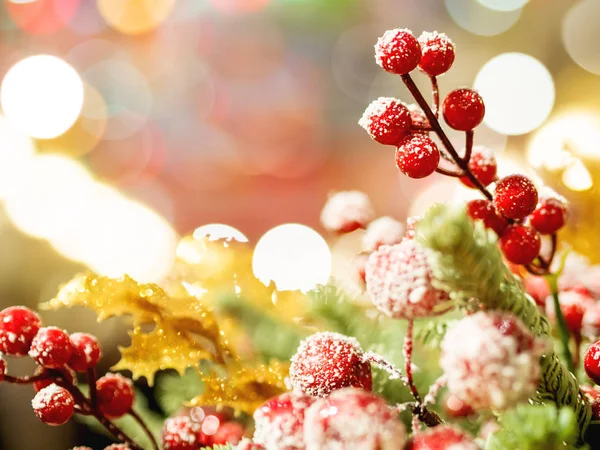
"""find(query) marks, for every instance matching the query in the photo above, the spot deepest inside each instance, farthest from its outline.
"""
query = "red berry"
(538, 288)
(456, 408)
(53, 405)
(228, 433)
(520, 244)
(591, 362)
(246, 444)
(437, 53)
(444, 437)
(115, 395)
(573, 314)
(181, 433)
(418, 119)
(574, 304)
(549, 216)
(279, 423)
(591, 322)
(590, 392)
(346, 211)
(595, 410)
(86, 352)
(51, 348)
(398, 51)
(463, 109)
(484, 210)
(483, 165)
(326, 362)
(360, 264)
(2, 368)
(387, 120)
(117, 447)
(515, 196)
(55, 376)
(18, 327)
(417, 156)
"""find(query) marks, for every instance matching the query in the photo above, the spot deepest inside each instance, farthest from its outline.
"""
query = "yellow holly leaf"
(245, 388)
(163, 348)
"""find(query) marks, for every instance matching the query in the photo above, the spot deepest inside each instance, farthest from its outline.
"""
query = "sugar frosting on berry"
(352, 419)
(491, 360)
(397, 51)
(247, 444)
(346, 211)
(382, 231)
(279, 423)
(400, 281)
(443, 437)
(180, 433)
(386, 120)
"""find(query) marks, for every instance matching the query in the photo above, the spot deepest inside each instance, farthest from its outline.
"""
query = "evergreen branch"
(468, 265)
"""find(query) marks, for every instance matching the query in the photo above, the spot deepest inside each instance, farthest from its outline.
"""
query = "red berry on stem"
(549, 216)
(53, 405)
(55, 376)
(483, 165)
(418, 119)
(51, 348)
(228, 433)
(595, 410)
(346, 211)
(463, 109)
(18, 327)
(455, 407)
(398, 51)
(387, 120)
(326, 362)
(115, 395)
(515, 196)
(520, 244)
(86, 352)
(437, 53)
(444, 437)
(484, 210)
(591, 362)
(417, 156)
(181, 433)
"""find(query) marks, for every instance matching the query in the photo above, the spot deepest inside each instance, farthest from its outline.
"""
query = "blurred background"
(125, 124)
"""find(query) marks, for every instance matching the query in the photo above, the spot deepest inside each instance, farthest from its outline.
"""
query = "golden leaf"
(246, 388)
(163, 348)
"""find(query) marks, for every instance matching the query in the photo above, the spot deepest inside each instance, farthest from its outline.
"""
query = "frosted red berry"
(55, 376)
(484, 210)
(279, 423)
(117, 447)
(115, 395)
(228, 433)
(573, 314)
(538, 289)
(483, 165)
(590, 392)
(520, 244)
(437, 53)
(51, 348)
(418, 118)
(181, 433)
(549, 216)
(326, 362)
(86, 352)
(417, 156)
(247, 444)
(18, 327)
(398, 51)
(53, 405)
(387, 120)
(463, 109)
(591, 362)
(444, 437)
(456, 408)
(2, 368)
(515, 196)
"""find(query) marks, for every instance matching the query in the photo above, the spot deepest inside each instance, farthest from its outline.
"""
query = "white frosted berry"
(382, 231)
(443, 437)
(279, 423)
(399, 281)
(352, 419)
(491, 360)
(346, 211)
(247, 444)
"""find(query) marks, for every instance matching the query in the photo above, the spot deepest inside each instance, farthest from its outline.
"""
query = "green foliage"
(173, 390)
(539, 427)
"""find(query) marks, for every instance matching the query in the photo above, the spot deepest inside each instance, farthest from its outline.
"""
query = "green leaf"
(173, 390)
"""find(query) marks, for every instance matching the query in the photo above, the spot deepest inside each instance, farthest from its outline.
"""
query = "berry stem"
(382, 363)
(436, 96)
(91, 375)
(28, 379)
(449, 173)
(142, 424)
(435, 125)
(563, 330)
(407, 353)
(468, 146)
(434, 390)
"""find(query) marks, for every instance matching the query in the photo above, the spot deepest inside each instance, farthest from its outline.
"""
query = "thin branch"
(28, 380)
(436, 96)
(468, 146)
(449, 173)
(142, 424)
(407, 353)
(434, 390)
(382, 363)
(91, 375)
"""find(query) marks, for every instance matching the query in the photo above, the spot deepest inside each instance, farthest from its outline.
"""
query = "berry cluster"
(514, 211)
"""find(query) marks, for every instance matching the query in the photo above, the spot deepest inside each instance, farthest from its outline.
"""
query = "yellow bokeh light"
(518, 92)
(42, 95)
(503, 5)
(16, 154)
(577, 177)
(135, 16)
(293, 256)
(215, 231)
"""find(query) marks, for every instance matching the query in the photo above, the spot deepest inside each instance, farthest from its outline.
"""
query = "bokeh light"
(581, 34)
(473, 16)
(135, 16)
(16, 154)
(503, 5)
(293, 256)
(238, 6)
(577, 177)
(42, 95)
(41, 17)
(518, 92)
(215, 231)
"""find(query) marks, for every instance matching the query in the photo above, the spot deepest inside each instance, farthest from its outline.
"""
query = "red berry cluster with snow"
(491, 360)
(346, 211)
